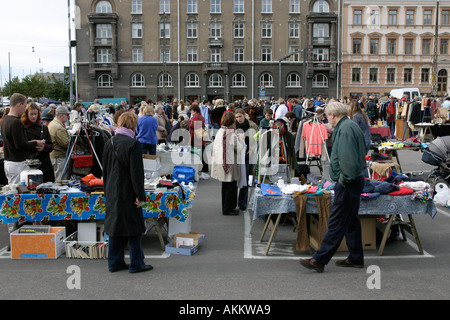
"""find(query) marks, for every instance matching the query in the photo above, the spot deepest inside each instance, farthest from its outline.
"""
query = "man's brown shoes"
(348, 263)
(312, 264)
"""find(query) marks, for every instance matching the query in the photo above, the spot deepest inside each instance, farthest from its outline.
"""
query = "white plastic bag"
(442, 194)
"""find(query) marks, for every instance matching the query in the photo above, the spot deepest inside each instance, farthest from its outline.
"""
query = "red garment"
(192, 120)
(402, 191)
(316, 138)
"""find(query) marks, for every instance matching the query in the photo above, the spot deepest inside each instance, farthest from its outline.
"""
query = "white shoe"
(204, 176)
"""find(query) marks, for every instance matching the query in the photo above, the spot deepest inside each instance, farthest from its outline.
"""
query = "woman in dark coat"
(123, 179)
(36, 130)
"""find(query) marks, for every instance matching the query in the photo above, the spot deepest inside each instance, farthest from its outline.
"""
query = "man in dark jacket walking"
(347, 163)
(123, 178)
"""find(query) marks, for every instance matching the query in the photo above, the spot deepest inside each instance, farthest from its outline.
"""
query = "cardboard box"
(151, 162)
(25, 245)
(188, 250)
(368, 233)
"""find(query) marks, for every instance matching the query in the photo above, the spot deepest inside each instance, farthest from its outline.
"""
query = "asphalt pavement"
(231, 265)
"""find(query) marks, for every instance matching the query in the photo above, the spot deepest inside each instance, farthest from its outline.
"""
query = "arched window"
(192, 80)
(320, 81)
(266, 80)
(215, 80)
(238, 80)
(138, 80)
(293, 80)
(321, 6)
(103, 7)
(165, 80)
(105, 80)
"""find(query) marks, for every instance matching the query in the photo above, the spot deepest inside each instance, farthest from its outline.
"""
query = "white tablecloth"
(170, 159)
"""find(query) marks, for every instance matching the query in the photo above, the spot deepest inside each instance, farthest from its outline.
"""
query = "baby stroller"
(438, 154)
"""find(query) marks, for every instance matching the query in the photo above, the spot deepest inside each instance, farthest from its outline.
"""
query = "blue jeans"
(148, 148)
(116, 253)
(343, 221)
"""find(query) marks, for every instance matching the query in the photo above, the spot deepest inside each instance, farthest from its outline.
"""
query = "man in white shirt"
(281, 109)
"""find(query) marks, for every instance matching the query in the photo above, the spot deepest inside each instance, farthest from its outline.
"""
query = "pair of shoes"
(242, 208)
(231, 213)
(312, 264)
(204, 175)
(124, 267)
(348, 263)
(146, 267)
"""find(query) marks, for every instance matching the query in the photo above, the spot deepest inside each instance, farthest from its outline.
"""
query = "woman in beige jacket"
(226, 162)
(160, 115)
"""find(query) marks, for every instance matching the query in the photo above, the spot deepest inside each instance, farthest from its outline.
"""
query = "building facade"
(205, 49)
(395, 44)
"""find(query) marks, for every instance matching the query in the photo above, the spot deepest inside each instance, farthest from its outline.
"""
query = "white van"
(410, 92)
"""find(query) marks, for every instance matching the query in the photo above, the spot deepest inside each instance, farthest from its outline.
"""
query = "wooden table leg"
(272, 234)
(265, 227)
(415, 234)
(158, 232)
(385, 235)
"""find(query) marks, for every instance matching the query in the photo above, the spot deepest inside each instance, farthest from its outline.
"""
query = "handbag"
(183, 174)
(83, 160)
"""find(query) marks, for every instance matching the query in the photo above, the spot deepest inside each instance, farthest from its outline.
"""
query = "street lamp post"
(435, 54)
(279, 69)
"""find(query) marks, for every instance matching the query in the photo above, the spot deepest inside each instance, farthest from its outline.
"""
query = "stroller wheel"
(433, 180)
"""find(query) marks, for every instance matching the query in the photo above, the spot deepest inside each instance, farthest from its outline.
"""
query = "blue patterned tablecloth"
(383, 204)
(86, 206)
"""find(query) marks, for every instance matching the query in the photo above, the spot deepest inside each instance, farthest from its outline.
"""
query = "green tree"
(57, 90)
(35, 86)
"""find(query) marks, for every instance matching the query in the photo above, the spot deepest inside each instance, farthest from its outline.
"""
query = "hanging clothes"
(315, 136)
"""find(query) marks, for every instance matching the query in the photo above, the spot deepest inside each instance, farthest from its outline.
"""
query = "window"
(266, 30)
(238, 6)
(215, 6)
(192, 54)
(136, 30)
(192, 30)
(105, 80)
(103, 7)
(375, 17)
(321, 54)
(409, 46)
(410, 17)
(137, 55)
(104, 31)
(321, 30)
(374, 46)
(104, 55)
(407, 75)
(215, 80)
(164, 55)
(392, 19)
(294, 30)
(356, 75)
(239, 30)
(266, 6)
(191, 6)
(293, 80)
(296, 56)
(266, 54)
(138, 80)
(427, 16)
(392, 46)
(238, 80)
(165, 80)
(373, 75)
(426, 46)
(356, 46)
(320, 81)
(164, 6)
(390, 75)
(425, 75)
(192, 80)
(215, 30)
(357, 16)
(238, 54)
(136, 6)
(294, 6)
(266, 80)
(445, 17)
(321, 6)
(216, 55)
(443, 48)
(164, 30)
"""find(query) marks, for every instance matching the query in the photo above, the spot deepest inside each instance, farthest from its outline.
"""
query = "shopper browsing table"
(346, 166)
(123, 179)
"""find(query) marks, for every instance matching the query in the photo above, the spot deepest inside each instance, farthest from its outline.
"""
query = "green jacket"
(347, 160)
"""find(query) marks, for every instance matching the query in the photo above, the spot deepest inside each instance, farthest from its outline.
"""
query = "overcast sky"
(38, 24)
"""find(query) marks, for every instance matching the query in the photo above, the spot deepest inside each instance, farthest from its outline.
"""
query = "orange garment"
(312, 134)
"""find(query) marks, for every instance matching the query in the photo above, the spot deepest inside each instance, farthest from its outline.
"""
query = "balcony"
(95, 68)
(215, 67)
(215, 42)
